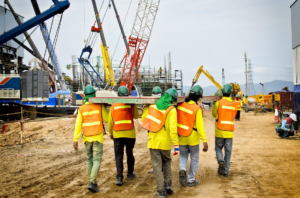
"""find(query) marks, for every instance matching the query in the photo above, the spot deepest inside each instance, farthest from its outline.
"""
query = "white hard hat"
(294, 117)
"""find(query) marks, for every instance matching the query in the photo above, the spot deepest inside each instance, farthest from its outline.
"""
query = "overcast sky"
(213, 33)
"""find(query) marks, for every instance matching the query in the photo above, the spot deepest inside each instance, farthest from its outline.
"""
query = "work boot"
(131, 176)
(195, 183)
(226, 175)
(182, 178)
(161, 194)
(93, 187)
(221, 168)
(169, 189)
(119, 181)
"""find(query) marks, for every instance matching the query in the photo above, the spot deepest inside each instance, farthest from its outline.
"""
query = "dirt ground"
(262, 164)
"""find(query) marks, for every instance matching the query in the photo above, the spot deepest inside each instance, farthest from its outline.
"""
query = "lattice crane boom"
(138, 40)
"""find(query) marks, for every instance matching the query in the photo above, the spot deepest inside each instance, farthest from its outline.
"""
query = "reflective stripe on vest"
(226, 114)
(91, 119)
(122, 115)
(155, 119)
(186, 117)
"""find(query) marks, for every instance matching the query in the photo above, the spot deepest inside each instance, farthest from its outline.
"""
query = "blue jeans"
(246, 108)
(185, 150)
(219, 144)
(262, 107)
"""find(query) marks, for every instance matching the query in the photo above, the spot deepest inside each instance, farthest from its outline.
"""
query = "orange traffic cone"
(276, 114)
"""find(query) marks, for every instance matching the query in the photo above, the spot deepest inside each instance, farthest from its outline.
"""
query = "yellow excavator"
(207, 74)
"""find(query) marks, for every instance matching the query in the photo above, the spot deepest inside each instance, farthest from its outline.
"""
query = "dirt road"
(263, 165)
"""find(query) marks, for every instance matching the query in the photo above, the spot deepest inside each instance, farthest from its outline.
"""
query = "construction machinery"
(207, 74)
(237, 90)
(16, 82)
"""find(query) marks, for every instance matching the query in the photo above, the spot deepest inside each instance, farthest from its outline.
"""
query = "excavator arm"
(207, 74)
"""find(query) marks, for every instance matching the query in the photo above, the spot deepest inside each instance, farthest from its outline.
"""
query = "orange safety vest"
(186, 117)
(155, 119)
(262, 102)
(238, 103)
(226, 114)
(122, 115)
(91, 119)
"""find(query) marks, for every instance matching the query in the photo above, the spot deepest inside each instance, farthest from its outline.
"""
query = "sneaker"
(119, 181)
(221, 168)
(226, 175)
(169, 189)
(131, 176)
(161, 194)
(195, 183)
(182, 178)
(93, 187)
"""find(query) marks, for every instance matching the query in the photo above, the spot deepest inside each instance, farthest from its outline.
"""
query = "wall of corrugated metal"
(295, 12)
(7, 22)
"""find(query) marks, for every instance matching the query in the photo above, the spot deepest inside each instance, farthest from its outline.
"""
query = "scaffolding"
(147, 78)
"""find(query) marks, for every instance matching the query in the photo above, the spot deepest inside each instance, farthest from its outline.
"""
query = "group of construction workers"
(166, 124)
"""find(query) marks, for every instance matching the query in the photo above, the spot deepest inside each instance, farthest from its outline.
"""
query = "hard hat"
(123, 91)
(236, 95)
(89, 90)
(246, 96)
(294, 117)
(173, 93)
(197, 89)
(156, 90)
(260, 97)
(227, 89)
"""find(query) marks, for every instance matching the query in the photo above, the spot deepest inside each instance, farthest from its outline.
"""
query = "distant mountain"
(274, 85)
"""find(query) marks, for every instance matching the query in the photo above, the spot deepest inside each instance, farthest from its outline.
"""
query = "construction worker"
(224, 111)
(285, 128)
(90, 120)
(246, 103)
(122, 131)
(239, 105)
(156, 92)
(190, 129)
(262, 103)
(160, 120)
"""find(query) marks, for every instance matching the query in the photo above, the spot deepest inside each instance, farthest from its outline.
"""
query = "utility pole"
(246, 73)
(165, 75)
(223, 77)
(262, 86)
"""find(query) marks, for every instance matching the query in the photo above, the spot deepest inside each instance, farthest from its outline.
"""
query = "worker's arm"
(241, 103)
(110, 123)
(78, 127)
(172, 120)
(283, 125)
(104, 114)
(145, 112)
(215, 109)
(200, 126)
(136, 114)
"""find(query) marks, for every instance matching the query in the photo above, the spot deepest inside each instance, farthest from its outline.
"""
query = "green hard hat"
(246, 96)
(198, 90)
(260, 97)
(173, 93)
(236, 96)
(156, 90)
(89, 90)
(123, 91)
(227, 89)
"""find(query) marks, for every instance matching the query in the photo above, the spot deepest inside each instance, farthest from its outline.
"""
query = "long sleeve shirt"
(218, 132)
(78, 128)
(122, 134)
(194, 138)
(284, 125)
(164, 138)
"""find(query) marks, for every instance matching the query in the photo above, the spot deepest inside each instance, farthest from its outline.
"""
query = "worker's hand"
(176, 149)
(111, 136)
(205, 147)
(75, 145)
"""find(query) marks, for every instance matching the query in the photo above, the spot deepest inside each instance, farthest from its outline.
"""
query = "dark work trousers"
(119, 144)
(238, 114)
(161, 162)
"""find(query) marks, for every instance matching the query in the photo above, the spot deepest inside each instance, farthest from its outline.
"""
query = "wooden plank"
(142, 100)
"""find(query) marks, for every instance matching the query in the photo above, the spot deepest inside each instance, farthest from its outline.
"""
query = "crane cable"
(121, 33)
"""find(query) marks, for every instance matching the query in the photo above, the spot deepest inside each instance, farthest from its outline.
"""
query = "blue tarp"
(61, 92)
(133, 93)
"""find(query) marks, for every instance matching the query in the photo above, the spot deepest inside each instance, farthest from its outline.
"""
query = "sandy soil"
(263, 165)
